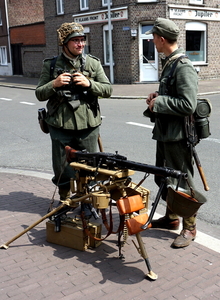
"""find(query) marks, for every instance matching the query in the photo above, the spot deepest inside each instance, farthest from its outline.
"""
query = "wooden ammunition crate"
(73, 236)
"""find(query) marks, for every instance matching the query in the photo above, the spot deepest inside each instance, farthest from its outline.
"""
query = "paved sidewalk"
(32, 268)
(120, 91)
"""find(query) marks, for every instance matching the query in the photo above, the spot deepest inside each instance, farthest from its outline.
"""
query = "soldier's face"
(158, 42)
(76, 45)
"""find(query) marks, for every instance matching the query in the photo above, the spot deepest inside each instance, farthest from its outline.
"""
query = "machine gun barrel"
(159, 171)
(109, 159)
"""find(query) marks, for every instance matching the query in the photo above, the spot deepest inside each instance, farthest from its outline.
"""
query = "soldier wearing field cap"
(72, 82)
(168, 108)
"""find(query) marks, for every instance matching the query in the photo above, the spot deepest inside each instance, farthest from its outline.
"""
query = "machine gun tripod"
(101, 177)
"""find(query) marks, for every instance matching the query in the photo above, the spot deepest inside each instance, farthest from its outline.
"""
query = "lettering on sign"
(196, 14)
(117, 15)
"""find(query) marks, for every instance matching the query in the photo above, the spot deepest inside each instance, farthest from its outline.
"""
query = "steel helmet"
(68, 31)
(182, 202)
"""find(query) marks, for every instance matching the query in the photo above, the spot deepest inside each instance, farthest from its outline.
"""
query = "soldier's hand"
(80, 79)
(151, 97)
(151, 104)
(62, 79)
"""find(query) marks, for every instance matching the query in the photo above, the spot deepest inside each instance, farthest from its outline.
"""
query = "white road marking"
(6, 99)
(150, 126)
(139, 124)
(28, 103)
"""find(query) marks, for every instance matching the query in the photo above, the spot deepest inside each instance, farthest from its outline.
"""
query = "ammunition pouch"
(41, 119)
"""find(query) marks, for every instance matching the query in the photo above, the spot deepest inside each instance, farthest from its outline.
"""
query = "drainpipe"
(110, 43)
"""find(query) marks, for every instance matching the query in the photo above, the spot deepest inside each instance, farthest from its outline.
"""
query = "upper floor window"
(105, 2)
(84, 4)
(3, 56)
(0, 17)
(60, 7)
(196, 1)
(196, 42)
(146, 1)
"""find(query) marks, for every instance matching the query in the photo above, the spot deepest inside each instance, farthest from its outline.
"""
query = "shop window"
(3, 56)
(84, 4)
(196, 42)
(106, 45)
(60, 7)
(105, 2)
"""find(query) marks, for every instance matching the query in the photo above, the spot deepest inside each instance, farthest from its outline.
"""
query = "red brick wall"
(28, 35)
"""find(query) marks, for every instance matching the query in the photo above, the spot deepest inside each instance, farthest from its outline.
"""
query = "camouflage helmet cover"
(68, 31)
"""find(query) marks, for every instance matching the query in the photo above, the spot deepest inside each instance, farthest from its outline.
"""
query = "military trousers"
(86, 139)
(176, 155)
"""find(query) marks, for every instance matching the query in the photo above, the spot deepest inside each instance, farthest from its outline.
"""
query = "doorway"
(148, 56)
(16, 59)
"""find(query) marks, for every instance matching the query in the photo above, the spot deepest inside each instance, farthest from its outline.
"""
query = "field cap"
(165, 28)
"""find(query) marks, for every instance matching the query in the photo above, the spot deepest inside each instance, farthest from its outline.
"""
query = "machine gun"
(116, 161)
(110, 161)
(102, 177)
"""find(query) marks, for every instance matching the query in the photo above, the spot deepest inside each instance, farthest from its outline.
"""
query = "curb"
(112, 97)
(201, 238)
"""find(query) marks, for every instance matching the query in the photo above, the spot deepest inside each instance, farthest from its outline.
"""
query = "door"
(148, 56)
(16, 59)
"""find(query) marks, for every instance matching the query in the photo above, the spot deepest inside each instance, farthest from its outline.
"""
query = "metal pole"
(110, 43)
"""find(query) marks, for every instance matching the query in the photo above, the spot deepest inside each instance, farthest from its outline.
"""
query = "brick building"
(26, 34)
(134, 56)
(135, 59)
(5, 54)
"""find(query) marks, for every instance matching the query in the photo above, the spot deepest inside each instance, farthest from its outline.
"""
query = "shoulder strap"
(173, 69)
(52, 66)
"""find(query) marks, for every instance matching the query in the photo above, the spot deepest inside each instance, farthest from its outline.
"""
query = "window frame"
(197, 2)
(201, 27)
(84, 4)
(105, 3)
(1, 23)
(105, 47)
(3, 56)
(146, 1)
(60, 7)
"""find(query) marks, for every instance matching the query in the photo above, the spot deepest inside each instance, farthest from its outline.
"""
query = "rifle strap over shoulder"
(173, 69)
(52, 66)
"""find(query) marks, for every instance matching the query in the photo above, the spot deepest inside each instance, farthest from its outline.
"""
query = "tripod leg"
(143, 253)
(6, 245)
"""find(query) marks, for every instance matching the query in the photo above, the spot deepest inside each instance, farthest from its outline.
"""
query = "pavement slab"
(32, 268)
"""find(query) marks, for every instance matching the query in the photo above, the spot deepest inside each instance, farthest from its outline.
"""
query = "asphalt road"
(124, 129)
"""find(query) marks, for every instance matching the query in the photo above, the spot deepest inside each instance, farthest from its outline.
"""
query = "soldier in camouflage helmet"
(72, 83)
